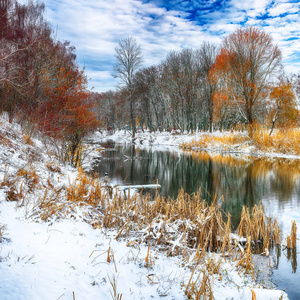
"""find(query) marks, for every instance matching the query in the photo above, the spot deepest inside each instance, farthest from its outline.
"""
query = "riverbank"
(62, 237)
(279, 145)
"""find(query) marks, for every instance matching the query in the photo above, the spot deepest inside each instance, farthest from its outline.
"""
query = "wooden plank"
(138, 187)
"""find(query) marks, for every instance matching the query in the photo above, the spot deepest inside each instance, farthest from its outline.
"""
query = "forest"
(41, 84)
(234, 85)
(238, 85)
(69, 233)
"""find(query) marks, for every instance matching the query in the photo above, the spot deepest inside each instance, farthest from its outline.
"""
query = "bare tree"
(206, 56)
(247, 61)
(129, 60)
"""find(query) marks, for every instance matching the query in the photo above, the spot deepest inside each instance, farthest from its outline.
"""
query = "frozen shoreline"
(173, 140)
(66, 257)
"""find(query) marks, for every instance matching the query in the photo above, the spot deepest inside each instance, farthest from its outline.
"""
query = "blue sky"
(95, 27)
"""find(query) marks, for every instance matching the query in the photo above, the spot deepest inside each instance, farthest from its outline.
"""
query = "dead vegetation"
(291, 240)
(225, 142)
(187, 226)
(284, 140)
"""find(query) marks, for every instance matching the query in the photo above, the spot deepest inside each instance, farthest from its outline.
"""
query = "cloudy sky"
(94, 27)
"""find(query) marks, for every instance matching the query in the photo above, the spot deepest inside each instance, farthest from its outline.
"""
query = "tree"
(206, 57)
(67, 114)
(283, 108)
(181, 85)
(246, 63)
(152, 108)
(129, 60)
(22, 27)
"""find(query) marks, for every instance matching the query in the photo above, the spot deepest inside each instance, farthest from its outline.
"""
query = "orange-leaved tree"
(283, 106)
(67, 114)
(221, 111)
(245, 65)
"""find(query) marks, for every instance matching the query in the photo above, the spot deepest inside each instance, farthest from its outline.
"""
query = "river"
(234, 180)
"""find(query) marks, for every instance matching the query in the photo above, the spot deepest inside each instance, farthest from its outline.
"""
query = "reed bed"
(207, 141)
(282, 140)
(291, 240)
(187, 226)
(285, 140)
(261, 229)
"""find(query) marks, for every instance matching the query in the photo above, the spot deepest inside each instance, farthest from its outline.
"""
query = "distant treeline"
(238, 84)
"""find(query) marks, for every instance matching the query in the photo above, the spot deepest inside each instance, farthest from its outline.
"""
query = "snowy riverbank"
(57, 252)
(176, 139)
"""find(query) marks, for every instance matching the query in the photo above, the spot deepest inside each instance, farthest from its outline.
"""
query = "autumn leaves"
(244, 70)
(39, 78)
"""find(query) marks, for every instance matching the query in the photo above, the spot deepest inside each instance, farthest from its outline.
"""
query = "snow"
(166, 140)
(66, 258)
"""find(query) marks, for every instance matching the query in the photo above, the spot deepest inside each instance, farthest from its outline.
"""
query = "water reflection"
(239, 181)
(236, 181)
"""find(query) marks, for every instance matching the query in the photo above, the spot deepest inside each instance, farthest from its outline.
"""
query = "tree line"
(40, 82)
(239, 84)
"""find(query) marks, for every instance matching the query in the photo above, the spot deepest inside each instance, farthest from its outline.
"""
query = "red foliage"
(244, 67)
(67, 112)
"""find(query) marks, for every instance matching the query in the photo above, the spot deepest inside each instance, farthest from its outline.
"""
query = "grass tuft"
(291, 240)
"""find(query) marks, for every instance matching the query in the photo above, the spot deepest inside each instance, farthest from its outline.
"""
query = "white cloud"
(253, 8)
(283, 8)
(95, 27)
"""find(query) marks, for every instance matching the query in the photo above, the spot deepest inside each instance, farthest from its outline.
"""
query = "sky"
(96, 27)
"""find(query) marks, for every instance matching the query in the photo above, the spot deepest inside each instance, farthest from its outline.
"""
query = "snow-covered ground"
(147, 138)
(65, 257)
(176, 139)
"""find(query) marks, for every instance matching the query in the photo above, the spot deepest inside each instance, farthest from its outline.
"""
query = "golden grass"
(285, 141)
(186, 226)
(201, 225)
(291, 240)
(245, 264)
(253, 295)
(206, 141)
(25, 181)
(258, 227)
(28, 140)
(53, 167)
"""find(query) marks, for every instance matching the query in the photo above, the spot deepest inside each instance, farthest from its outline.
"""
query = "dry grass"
(186, 226)
(5, 141)
(1, 234)
(25, 181)
(176, 227)
(285, 141)
(28, 140)
(207, 141)
(291, 240)
(258, 227)
(53, 167)
(245, 263)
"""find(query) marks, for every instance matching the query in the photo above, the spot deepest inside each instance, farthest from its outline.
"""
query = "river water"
(235, 181)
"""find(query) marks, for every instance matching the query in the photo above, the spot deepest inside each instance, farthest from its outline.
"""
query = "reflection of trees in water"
(241, 181)
(246, 181)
